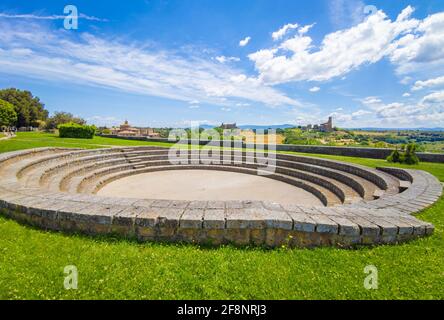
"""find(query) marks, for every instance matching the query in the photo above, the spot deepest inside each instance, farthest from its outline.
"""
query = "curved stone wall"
(56, 188)
(372, 153)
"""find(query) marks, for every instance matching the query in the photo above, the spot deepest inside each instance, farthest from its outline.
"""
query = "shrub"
(407, 156)
(74, 130)
(395, 157)
(410, 156)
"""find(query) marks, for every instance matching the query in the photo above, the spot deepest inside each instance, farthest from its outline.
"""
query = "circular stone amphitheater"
(137, 192)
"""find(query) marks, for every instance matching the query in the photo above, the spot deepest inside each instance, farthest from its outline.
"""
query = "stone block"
(192, 219)
(214, 219)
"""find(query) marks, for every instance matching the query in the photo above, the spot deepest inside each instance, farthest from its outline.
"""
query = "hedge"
(74, 130)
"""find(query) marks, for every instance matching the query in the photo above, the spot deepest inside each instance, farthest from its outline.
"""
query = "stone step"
(72, 156)
(137, 154)
(361, 186)
(15, 165)
(325, 195)
(350, 194)
(343, 192)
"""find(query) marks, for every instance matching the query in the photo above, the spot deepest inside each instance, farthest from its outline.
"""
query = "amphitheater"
(329, 203)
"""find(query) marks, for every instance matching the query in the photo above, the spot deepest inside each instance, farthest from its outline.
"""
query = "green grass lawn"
(32, 261)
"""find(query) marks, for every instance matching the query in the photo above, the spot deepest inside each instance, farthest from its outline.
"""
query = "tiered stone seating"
(56, 188)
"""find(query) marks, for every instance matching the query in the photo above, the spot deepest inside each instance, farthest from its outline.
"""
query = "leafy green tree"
(29, 109)
(410, 156)
(395, 157)
(407, 156)
(61, 118)
(8, 116)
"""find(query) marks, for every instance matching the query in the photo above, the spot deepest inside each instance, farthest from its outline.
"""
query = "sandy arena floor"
(207, 185)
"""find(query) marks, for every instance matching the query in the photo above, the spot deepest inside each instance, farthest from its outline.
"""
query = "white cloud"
(370, 101)
(314, 89)
(303, 30)
(50, 17)
(194, 102)
(434, 98)
(104, 121)
(223, 59)
(428, 111)
(278, 35)
(360, 113)
(406, 80)
(239, 78)
(340, 52)
(194, 106)
(428, 83)
(33, 50)
(297, 44)
(348, 117)
(240, 104)
(406, 95)
(226, 109)
(244, 42)
(423, 50)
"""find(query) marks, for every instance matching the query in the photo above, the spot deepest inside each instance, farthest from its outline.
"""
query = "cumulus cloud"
(422, 50)
(434, 98)
(223, 59)
(427, 111)
(370, 101)
(314, 89)
(278, 35)
(244, 42)
(428, 83)
(34, 50)
(348, 117)
(339, 53)
(303, 30)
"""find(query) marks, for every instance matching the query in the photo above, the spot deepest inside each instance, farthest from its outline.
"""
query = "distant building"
(323, 127)
(228, 126)
(126, 130)
(328, 126)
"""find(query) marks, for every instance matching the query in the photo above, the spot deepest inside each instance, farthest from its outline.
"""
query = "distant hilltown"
(126, 130)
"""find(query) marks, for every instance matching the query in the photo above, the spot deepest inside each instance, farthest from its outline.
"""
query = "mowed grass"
(32, 261)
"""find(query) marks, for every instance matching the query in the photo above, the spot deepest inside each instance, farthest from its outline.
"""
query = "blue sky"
(166, 63)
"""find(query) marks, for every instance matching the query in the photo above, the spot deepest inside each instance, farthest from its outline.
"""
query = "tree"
(61, 118)
(410, 156)
(29, 109)
(8, 116)
(395, 157)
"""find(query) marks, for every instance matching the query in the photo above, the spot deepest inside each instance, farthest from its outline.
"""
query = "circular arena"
(137, 192)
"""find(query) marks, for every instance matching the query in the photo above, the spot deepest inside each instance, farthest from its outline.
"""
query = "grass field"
(32, 261)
